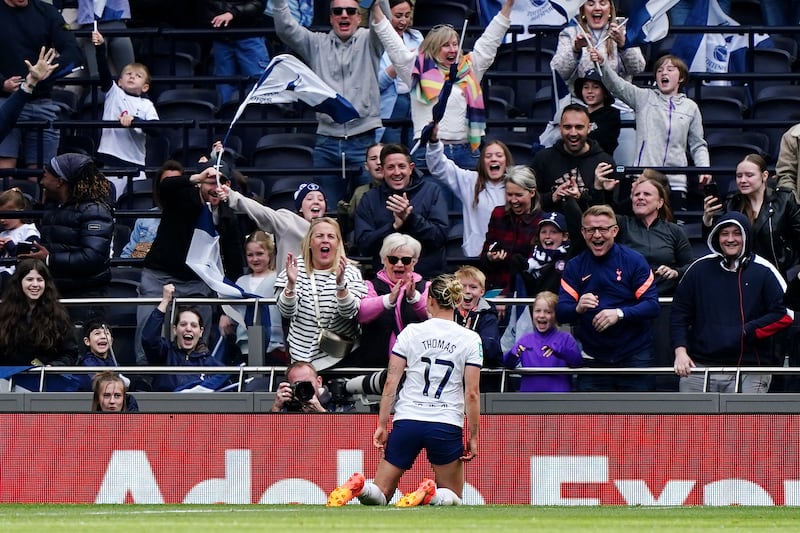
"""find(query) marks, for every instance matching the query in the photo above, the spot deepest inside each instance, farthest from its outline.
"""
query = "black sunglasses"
(393, 259)
(339, 10)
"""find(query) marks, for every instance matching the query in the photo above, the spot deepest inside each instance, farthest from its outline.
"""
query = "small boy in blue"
(546, 347)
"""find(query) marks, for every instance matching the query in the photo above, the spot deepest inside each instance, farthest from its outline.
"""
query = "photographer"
(296, 396)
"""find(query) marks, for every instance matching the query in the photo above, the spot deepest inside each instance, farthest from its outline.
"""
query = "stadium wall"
(560, 459)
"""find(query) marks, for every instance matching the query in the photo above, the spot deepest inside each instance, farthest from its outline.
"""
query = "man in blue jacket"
(608, 292)
(725, 309)
(407, 204)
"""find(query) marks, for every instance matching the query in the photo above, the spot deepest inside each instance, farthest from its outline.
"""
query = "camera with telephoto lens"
(343, 390)
(367, 384)
(302, 392)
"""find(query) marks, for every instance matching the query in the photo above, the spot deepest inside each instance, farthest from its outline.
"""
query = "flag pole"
(217, 165)
(589, 44)
(604, 39)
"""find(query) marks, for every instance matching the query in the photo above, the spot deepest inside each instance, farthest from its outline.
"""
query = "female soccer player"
(442, 363)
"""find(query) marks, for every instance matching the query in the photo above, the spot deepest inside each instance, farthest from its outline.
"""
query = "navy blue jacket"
(160, 351)
(725, 315)
(621, 279)
(428, 223)
(90, 359)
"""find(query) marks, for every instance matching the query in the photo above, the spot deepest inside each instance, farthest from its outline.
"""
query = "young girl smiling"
(545, 347)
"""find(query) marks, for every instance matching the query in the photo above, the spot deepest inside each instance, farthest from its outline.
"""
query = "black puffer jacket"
(246, 13)
(78, 236)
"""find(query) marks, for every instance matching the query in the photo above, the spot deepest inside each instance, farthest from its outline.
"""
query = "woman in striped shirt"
(321, 289)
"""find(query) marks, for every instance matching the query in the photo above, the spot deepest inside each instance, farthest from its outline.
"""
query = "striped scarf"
(427, 81)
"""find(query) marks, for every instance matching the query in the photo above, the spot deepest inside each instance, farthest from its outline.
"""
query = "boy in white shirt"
(126, 101)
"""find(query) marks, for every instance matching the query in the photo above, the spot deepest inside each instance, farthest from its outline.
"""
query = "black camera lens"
(303, 391)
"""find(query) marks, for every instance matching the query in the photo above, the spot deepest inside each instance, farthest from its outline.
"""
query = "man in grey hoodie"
(347, 59)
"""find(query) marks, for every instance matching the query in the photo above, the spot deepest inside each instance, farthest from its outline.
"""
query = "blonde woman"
(319, 290)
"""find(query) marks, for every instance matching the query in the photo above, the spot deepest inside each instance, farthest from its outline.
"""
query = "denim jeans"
(402, 109)
(328, 154)
(247, 57)
(39, 109)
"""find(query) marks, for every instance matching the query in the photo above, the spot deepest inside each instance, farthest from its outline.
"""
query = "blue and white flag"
(205, 260)
(647, 21)
(287, 79)
(561, 99)
(530, 13)
(568, 9)
(714, 52)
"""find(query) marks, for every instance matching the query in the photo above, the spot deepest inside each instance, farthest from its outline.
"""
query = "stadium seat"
(283, 156)
(527, 60)
(165, 66)
(66, 100)
(126, 272)
(166, 45)
(455, 238)
(81, 144)
(720, 108)
(700, 93)
(431, 13)
(282, 199)
(496, 108)
(501, 91)
(177, 108)
(140, 196)
(747, 12)
(189, 151)
(769, 61)
(776, 109)
(755, 138)
(298, 139)
(207, 95)
(157, 150)
(731, 153)
(521, 152)
(779, 91)
(30, 189)
(276, 186)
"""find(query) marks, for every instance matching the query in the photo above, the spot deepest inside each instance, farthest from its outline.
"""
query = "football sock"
(371, 495)
(445, 497)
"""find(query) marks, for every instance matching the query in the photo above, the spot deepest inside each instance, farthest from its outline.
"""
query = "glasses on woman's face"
(393, 259)
(339, 10)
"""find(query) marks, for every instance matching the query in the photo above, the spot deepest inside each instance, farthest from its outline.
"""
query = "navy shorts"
(443, 442)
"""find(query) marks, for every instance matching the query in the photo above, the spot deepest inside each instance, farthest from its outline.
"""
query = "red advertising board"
(283, 458)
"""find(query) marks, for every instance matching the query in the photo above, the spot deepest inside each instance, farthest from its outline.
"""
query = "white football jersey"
(436, 352)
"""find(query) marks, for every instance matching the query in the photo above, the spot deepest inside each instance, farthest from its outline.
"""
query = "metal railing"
(278, 372)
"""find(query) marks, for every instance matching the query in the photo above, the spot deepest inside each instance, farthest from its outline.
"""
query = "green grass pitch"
(295, 518)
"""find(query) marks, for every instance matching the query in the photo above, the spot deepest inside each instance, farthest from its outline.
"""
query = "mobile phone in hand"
(25, 247)
(711, 189)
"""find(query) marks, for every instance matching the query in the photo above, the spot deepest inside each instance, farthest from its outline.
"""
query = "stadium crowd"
(345, 227)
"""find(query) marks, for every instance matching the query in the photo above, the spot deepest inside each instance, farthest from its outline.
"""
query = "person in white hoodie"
(480, 191)
(668, 123)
